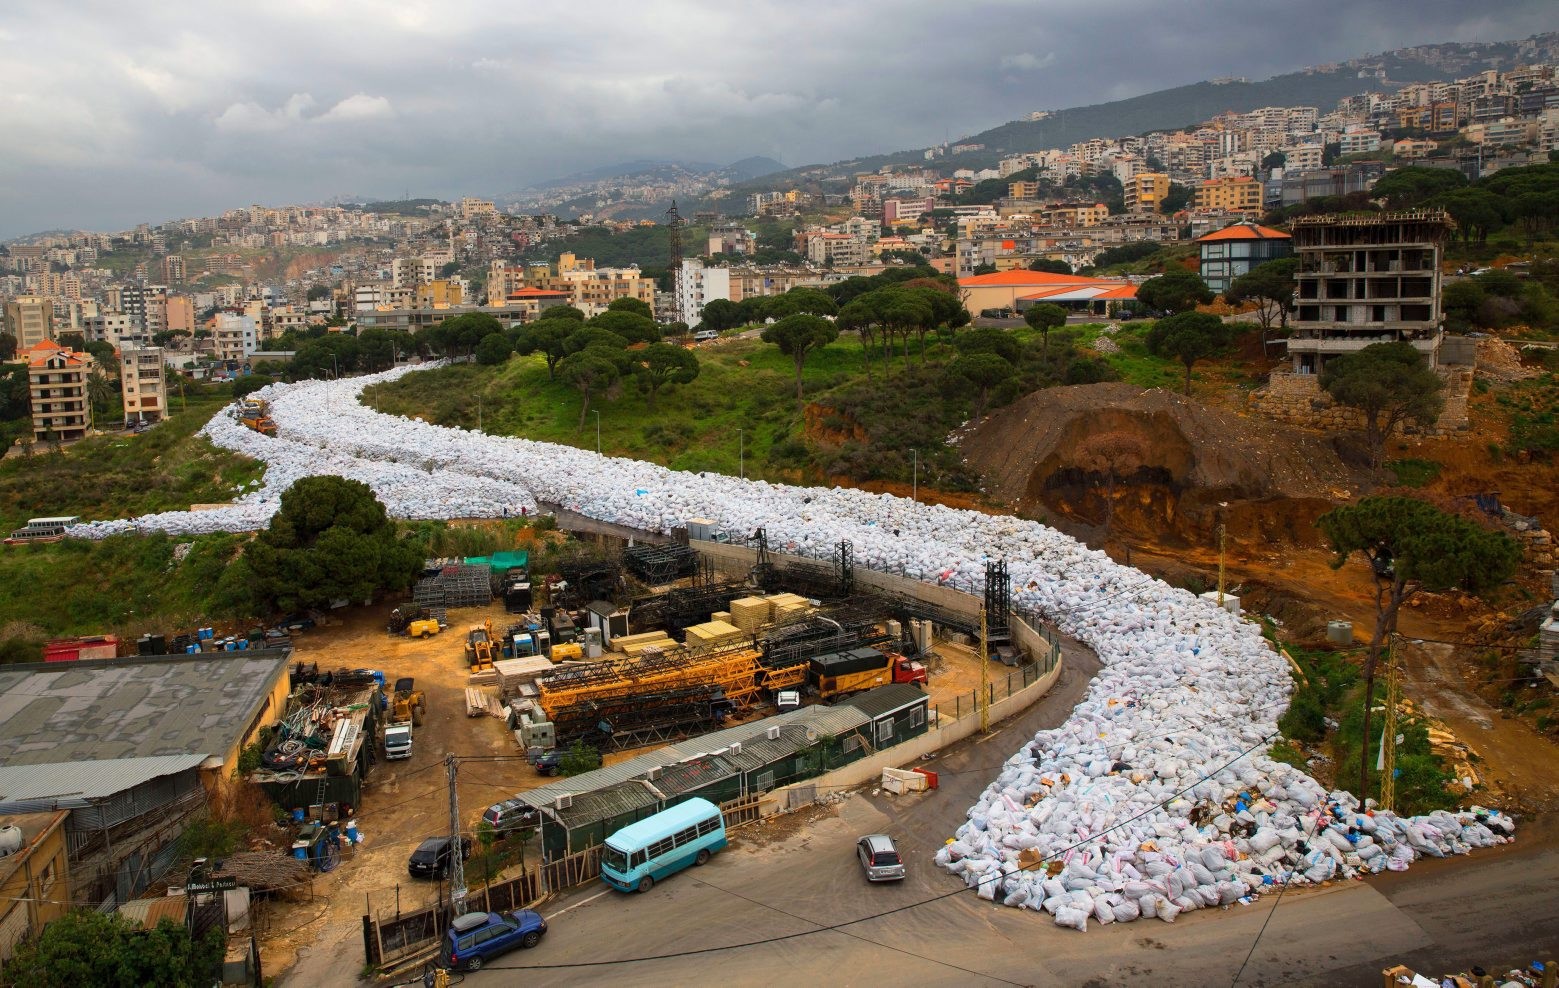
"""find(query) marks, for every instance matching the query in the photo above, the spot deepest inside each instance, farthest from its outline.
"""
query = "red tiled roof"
(1024, 279)
(1244, 231)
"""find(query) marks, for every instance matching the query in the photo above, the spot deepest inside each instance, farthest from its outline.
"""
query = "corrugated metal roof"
(75, 784)
(688, 776)
(603, 804)
(150, 912)
(887, 699)
(820, 719)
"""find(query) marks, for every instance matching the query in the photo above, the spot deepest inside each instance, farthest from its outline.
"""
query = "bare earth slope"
(1172, 461)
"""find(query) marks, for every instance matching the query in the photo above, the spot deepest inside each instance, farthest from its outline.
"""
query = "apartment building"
(1145, 191)
(1239, 193)
(143, 383)
(1366, 279)
(695, 286)
(112, 327)
(1234, 250)
(235, 336)
(57, 388)
(29, 318)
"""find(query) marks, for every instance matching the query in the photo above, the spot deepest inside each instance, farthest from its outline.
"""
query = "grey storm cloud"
(114, 113)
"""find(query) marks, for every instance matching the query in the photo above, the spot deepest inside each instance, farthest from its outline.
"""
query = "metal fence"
(999, 688)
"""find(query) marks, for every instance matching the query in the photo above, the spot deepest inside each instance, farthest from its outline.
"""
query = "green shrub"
(1414, 473)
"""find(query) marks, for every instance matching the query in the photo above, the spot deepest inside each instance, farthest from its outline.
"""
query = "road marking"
(583, 902)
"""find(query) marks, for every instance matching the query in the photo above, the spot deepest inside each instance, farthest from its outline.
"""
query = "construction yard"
(405, 801)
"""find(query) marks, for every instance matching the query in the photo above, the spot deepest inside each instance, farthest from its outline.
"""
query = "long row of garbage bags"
(1155, 797)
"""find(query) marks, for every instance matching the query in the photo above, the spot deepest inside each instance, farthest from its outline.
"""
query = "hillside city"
(406, 590)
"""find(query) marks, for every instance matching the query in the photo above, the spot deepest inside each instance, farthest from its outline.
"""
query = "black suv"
(431, 858)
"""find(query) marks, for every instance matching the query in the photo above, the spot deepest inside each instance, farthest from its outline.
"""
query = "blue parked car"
(476, 938)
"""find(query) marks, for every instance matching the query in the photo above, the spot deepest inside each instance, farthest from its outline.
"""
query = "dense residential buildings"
(1228, 253)
(1366, 278)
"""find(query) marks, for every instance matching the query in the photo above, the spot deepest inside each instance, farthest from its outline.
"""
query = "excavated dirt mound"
(1156, 464)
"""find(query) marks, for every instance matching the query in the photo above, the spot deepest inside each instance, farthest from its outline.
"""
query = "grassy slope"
(692, 427)
(166, 468)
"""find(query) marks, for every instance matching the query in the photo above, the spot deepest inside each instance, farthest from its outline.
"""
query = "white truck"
(397, 740)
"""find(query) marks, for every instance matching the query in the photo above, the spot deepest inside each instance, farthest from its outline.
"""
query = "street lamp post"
(741, 453)
(597, 430)
(914, 477)
(479, 413)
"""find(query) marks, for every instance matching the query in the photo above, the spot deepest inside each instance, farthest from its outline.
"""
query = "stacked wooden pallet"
(716, 633)
(750, 613)
(635, 645)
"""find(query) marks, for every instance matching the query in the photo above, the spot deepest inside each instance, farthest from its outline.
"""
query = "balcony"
(1355, 343)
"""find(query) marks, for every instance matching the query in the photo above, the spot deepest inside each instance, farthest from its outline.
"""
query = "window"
(885, 730)
(712, 824)
(766, 779)
(689, 835)
(639, 857)
(661, 847)
(852, 743)
(917, 716)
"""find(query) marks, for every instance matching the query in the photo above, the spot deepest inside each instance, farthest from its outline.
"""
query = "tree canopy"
(330, 540)
(85, 947)
(547, 337)
(634, 306)
(983, 370)
(1389, 384)
(589, 372)
(1411, 545)
(1045, 317)
(661, 364)
(494, 349)
(631, 326)
(720, 313)
(1189, 337)
(1176, 290)
(797, 336)
(1049, 265)
(1271, 287)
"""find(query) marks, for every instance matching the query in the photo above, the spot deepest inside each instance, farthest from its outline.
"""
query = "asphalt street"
(787, 903)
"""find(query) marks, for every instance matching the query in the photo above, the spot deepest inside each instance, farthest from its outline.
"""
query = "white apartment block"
(695, 286)
(236, 336)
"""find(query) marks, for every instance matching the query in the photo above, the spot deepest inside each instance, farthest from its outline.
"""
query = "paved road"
(781, 881)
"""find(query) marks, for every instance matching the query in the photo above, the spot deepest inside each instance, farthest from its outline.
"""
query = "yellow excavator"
(481, 647)
(255, 414)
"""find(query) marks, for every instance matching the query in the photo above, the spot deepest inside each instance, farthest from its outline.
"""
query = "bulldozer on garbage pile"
(255, 413)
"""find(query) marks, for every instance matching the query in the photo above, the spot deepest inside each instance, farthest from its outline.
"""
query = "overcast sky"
(114, 112)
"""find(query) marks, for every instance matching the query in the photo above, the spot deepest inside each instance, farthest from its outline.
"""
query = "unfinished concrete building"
(1363, 279)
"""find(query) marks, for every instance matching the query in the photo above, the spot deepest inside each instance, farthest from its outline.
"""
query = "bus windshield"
(614, 859)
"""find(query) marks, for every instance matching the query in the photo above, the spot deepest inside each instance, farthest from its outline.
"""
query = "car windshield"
(614, 859)
(885, 858)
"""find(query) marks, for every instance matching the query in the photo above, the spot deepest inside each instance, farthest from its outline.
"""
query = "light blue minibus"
(642, 853)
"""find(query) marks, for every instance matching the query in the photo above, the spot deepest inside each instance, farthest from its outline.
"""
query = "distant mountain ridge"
(1182, 106)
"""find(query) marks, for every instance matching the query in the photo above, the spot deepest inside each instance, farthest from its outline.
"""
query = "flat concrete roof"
(97, 709)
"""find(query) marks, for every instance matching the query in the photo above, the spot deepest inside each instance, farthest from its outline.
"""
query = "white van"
(705, 335)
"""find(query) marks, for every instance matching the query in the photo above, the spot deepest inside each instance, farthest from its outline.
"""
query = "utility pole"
(457, 865)
(741, 453)
(985, 676)
(597, 430)
(479, 413)
(914, 477)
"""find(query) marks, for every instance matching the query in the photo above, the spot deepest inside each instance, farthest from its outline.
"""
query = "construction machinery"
(407, 703)
(482, 650)
(416, 622)
(407, 706)
(623, 704)
(842, 673)
(255, 413)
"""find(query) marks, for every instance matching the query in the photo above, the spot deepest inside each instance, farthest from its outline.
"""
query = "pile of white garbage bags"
(1156, 796)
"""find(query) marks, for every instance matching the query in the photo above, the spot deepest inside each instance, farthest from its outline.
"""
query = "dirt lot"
(407, 801)
(403, 801)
